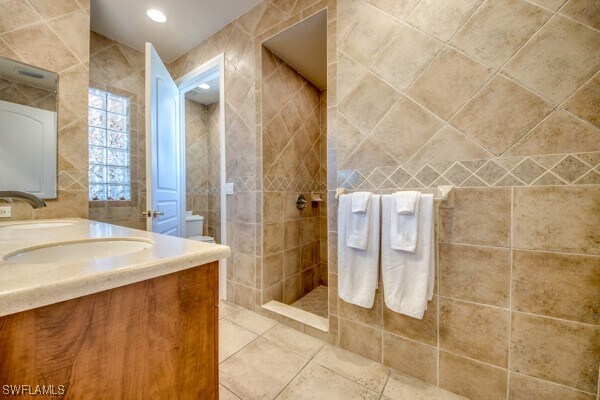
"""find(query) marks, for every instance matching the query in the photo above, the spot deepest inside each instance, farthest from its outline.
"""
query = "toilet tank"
(194, 225)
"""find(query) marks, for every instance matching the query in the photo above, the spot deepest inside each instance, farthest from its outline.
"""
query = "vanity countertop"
(27, 286)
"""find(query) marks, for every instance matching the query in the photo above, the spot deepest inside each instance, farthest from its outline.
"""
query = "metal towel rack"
(443, 194)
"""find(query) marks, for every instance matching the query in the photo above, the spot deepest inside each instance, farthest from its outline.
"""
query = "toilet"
(194, 225)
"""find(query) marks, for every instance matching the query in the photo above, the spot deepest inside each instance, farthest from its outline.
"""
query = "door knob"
(156, 213)
(147, 214)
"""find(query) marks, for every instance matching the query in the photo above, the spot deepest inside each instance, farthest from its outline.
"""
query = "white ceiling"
(206, 96)
(189, 22)
(304, 48)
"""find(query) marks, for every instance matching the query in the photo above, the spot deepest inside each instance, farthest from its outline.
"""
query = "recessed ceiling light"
(156, 16)
(204, 86)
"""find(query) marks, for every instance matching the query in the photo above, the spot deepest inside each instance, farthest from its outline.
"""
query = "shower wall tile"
(361, 339)
(564, 352)
(476, 331)
(585, 12)
(480, 216)
(563, 42)
(557, 218)
(474, 273)
(441, 19)
(524, 387)
(293, 162)
(409, 357)
(366, 316)
(497, 30)
(556, 285)
(422, 330)
(472, 379)
(449, 82)
(501, 114)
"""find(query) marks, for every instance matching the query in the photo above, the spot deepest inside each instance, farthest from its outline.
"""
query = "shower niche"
(294, 279)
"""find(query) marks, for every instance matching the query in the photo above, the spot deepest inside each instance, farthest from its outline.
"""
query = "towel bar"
(443, 193)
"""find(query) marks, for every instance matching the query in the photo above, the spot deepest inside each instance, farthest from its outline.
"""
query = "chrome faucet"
(33, 200)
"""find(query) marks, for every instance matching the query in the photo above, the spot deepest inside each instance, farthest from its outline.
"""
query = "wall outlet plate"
(229, 188)
(5, 212)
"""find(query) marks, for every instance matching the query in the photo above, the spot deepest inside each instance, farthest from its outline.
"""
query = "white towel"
(360, 201)
(357, 222)
(404, 228)
(407, 201)
(358, 270)
(408, 278)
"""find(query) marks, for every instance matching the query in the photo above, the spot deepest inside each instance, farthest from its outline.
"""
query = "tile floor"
(263, 359)
(315, 302)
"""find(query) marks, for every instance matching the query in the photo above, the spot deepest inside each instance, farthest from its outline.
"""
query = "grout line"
(474, 359)
(439, 287)
(237, 351)
(551, 382)
(498, 71)
(412, 9)
(541, 6)
(527, 135)
(510, 282)
(513, 311)
(521, 248)
(387, 379)
(45, 22)
(293, 379)
(446, 45)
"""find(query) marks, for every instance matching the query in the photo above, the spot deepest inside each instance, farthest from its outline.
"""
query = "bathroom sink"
(77, 251)
(37, 225)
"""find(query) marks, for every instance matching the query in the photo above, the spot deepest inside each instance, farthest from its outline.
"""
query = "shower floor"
(315, 302)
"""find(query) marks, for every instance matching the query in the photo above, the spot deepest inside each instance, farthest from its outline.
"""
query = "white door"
(28, 149)
(163, 148)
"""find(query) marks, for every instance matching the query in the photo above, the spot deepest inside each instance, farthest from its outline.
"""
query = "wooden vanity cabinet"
(155, 339)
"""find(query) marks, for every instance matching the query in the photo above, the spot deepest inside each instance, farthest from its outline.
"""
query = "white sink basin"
(78, 251)
(37, 225)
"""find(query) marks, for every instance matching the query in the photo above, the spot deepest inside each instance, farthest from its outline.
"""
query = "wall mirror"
(28, 125)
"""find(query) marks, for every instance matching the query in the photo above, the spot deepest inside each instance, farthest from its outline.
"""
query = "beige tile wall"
(56, 37)
(213, 223)
(496, 98)
(292, 141)
(26, 95)
(499, 97)
(240, 41)
(120, 69)
(196, 158)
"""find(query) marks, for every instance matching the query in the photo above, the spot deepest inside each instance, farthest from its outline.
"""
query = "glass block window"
(108, 131)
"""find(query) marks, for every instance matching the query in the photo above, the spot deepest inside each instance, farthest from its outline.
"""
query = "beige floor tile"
(316, 382)
(352, 366)
(232, 339)
(225, 394)
(226, 308)
(260, 371)
(293, 340)
(252, 321)
(400, 387)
